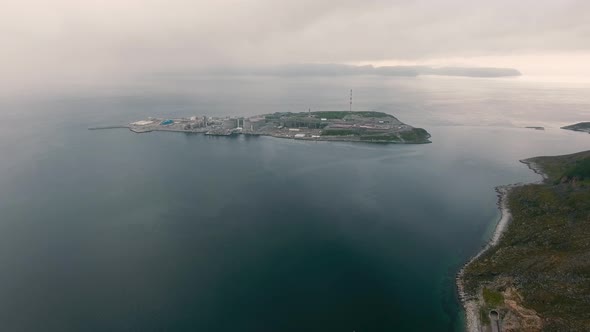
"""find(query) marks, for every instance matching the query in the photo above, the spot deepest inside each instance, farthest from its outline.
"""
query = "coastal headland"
(370, 127)
(534, 274)
(581, 126)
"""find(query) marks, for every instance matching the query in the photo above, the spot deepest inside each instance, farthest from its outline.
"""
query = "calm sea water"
(114, 231)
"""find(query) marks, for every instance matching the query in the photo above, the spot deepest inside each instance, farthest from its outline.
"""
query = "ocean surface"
(114, 231)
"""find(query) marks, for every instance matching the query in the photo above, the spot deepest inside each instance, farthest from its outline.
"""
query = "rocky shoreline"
(471, 303)
(535, 168)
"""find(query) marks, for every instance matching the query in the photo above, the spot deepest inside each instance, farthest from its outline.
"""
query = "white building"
(142, 123)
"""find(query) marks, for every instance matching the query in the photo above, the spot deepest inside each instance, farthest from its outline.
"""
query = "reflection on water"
(109, 230)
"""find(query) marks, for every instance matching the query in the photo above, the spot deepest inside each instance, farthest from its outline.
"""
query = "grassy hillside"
(415, 135)
(342, 114)
(542, 262)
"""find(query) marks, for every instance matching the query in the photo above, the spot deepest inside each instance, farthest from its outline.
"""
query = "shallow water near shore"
(110, 230)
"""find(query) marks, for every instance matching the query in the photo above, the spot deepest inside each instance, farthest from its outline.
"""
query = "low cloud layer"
(112, 36)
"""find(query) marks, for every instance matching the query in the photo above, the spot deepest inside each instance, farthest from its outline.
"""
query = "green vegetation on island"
(412, 135)
(538, 275)
(343, 114)
(329, 115)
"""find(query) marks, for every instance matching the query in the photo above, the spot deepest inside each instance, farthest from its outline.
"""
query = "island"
(534, 275)
(582, 126)
(350, 126)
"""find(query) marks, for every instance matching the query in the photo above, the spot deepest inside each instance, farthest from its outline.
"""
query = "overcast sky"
(82, 37)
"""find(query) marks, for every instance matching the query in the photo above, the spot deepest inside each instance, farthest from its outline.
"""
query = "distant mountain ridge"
(347, 70)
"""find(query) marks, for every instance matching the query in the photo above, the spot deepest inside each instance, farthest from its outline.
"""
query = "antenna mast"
(351, 100)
